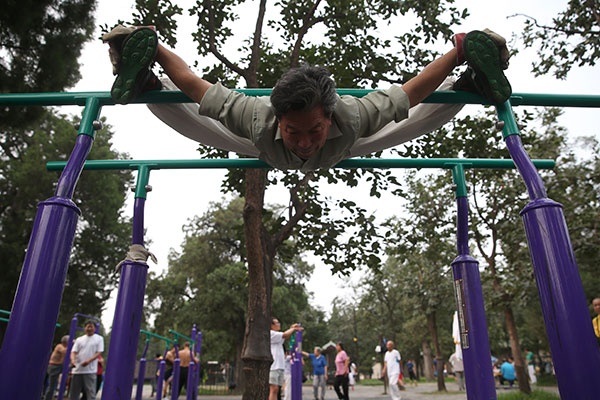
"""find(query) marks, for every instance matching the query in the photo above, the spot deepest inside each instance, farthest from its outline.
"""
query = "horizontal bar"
(83, 315)
(181, 335)
(175, 96)
(446, 163)
(156, 336)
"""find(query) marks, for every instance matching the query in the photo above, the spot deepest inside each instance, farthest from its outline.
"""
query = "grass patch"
(535, 395)
(547, 380)
(370, 382)
(446, 392)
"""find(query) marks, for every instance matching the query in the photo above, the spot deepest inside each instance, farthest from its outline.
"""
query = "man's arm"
(287, 334)
(73, 357)
(86, 362)
(181, 75)
(422, 85)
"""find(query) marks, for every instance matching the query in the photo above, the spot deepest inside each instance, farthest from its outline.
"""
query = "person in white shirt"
(276, 373)
(391, 365)
(84, 356)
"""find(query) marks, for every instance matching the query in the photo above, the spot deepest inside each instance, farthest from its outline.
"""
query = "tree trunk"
(238, 375)
(522, 376)
(431, 323)
(427, 361)
(256, 353)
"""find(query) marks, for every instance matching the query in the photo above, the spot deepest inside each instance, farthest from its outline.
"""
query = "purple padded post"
(297, 368)
(189, 390)
(38, 297)
(575, 352)
(479, 377)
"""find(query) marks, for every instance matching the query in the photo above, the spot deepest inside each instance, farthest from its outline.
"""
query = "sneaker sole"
(137, 55)
(483, 56)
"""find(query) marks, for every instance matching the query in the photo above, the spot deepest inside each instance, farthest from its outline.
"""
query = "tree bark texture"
(432, 325)
(427, 361)
(522, 376)
(256, 353)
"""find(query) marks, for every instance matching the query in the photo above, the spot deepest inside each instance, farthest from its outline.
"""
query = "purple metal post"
(37, 301)
(67, 361)
(297, 368)
(161, 375)
(118, 383)
(141, 373)
(176, 369)
(189, 390)
(197, 375)
(475, 345)
(574, 349)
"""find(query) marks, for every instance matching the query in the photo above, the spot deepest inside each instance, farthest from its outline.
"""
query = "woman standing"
(341, 372)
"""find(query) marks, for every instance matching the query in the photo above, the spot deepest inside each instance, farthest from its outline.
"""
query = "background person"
(319, 363)
(341, 372)
(276, 372)
(55, 366)
(391, 365)
(84, 356)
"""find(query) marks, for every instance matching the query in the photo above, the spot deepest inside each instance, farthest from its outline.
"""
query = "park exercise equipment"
(72, 331)
(296, 360)
(573, 345)
(161, 368)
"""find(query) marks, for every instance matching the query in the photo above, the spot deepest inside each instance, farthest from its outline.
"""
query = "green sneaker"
(137, 56)
(483, 57)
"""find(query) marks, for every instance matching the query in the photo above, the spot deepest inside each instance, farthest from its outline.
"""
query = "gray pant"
(83, 382)
(460, 379)
(53, 372)
(319, 381)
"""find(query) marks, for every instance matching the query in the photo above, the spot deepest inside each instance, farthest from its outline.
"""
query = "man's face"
(304, 132)
(390, 345)
(596, 304)
(90, 329)
(275, 325)
(317, 352)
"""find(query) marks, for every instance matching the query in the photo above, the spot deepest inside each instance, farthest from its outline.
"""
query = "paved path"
(425, 391)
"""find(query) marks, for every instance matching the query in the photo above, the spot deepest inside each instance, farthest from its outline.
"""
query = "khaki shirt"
(58, 355)
(253, 118)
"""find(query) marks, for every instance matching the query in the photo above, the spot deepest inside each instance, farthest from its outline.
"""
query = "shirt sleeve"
(100, 347)
(379, 108)
(277, 337)
(233, 109)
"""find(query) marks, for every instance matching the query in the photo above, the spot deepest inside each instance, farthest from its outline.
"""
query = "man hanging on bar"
(305, 124)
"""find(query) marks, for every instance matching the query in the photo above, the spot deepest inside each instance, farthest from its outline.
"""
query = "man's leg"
(89, 386)
(75, 386)
(275, 381)
(53, 373)
(183, 375)
(394, 388)
(531, 370)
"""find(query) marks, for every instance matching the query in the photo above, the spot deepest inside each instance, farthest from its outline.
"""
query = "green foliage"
(102, 235)
(535, 395)
(571, 39)
(207, 284)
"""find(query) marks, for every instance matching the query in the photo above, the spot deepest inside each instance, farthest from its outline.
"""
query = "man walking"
(391, 365)
(84, 357)
(319, 364)
(530, 365)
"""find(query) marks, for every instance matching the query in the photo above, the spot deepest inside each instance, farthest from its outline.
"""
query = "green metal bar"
(142, 181)
(7, 319)
(506, 115)
(446, 163)
(4, 312)
(91, 113)
(178, 335)
(4, 319)
(156, 336)
(173, 96)
(458, 176)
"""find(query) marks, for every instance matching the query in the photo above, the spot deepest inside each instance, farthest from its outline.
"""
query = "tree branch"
(556, 29)
(251, 78)
(212, 46)
(305, 27)
(300, 208)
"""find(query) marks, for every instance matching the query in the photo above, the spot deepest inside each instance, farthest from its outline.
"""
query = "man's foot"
(137, 56)
(484, 75)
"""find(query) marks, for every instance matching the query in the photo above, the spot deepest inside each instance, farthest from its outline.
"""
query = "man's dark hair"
(302, 89)
(89, 322)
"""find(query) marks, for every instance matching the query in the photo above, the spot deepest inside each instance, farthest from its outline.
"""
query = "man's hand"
(85, 363)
